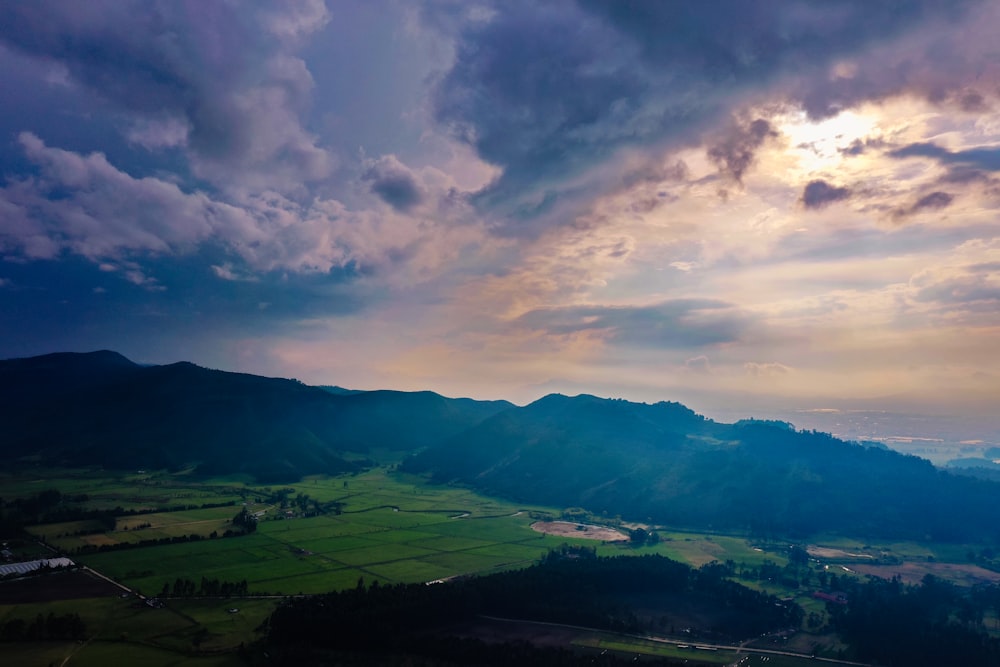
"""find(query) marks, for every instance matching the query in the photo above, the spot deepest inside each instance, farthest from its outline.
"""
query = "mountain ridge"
(660, 462)
(666, 464)
(100, 408)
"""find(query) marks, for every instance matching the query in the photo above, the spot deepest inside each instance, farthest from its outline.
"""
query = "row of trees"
(449, 651)
(184, 587)
(176, 539)
(570, 585)
(52, 506)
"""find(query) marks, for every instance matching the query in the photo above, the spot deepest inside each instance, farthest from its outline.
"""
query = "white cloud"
(106, 215)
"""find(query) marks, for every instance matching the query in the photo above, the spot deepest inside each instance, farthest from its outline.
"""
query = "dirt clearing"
(584, 531)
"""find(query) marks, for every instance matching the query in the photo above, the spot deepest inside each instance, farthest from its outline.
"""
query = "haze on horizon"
(778, 204)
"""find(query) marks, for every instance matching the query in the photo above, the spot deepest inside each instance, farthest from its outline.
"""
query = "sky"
(737, 205)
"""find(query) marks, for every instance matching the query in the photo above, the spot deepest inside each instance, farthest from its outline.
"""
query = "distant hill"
(667, 464)
(100, 408)
(660, 462)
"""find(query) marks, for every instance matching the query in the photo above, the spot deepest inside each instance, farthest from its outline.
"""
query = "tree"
(797, 555)
(245, 520)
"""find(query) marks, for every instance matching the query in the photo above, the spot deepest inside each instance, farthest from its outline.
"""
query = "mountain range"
(661, 462)
(100, 408)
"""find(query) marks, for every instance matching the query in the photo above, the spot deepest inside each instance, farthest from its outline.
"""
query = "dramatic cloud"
(538, 99)
(213, 78)
(85, 205)
(394, 183)
(547, 102)
(734, 154)
(983, 158)
(651, 199)
(818, 194)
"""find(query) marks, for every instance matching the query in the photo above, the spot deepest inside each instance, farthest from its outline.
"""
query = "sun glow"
(821, 145)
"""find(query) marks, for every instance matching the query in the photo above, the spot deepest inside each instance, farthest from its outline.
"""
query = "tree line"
(570, 585)
(49, 627)
(934, 623)
(184, 587)
(53, 506)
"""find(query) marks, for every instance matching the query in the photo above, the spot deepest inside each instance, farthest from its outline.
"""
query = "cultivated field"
(389, 530)
(327, 533)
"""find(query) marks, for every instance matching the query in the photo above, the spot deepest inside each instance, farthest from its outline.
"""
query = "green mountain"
(100, 408)
(667, 464)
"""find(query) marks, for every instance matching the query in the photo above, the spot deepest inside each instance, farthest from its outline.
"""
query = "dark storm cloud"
(932, 201)
(972, 101)
(982, 158)
(819, 193)
(546, 90)
(679, 323)
(734, 41)
(735, 152)
(211, 77)
(394, 183)
(542, 90)
(129, 52)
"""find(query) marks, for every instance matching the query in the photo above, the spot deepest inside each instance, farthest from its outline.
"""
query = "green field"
(126, 631)
(390, 530)
(376, 526)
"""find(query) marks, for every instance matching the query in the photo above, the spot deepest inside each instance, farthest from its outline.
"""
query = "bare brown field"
(836, 554)
(74, 585)
(584, 531)
(913, 573)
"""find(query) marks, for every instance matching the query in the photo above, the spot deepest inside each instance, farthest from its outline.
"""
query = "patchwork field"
(389, 530)
(375, 526)
(322, 534)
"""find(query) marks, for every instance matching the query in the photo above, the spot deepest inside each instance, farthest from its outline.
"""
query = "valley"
(447, 520)
(388, 528)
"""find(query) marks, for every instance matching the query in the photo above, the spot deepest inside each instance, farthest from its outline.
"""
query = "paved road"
(108, 579)
(675, 642)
